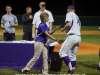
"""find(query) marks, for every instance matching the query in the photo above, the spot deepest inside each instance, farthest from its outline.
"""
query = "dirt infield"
(19, 32)
(59, 32)
(84, 48)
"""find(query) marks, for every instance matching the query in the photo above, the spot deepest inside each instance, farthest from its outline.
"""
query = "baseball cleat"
(98, 68)
(71, 72)
(25, 71)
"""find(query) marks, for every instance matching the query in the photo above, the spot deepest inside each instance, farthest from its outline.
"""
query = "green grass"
(86, 64)
(91, 39)
(18, 37)
(19, 27)
(88, 28)
(85, 38)
(96, 28)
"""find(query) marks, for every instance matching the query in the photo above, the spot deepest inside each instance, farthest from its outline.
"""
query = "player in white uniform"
(71, 43)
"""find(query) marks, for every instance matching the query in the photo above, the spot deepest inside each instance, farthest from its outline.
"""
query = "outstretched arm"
(57, 27)
(50, 36)
(67, 26)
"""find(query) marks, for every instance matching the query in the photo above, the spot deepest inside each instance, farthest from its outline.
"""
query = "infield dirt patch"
(19, 32)
(84, 48)
(59, 32)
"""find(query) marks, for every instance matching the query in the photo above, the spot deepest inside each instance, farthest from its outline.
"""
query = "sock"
(99, 63)
(73, 64)
(67, 62)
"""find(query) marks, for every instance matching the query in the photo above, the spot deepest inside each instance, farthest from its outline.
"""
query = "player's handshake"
(57, 27)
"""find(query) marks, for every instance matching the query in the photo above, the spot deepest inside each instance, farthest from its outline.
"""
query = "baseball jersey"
(37, 20)
(6, 19)
(76, 24)
(41, 37)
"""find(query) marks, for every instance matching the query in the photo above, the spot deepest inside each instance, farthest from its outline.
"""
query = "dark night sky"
(57, 7)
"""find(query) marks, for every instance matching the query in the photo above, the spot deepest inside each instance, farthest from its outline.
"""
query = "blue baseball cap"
(70, 7)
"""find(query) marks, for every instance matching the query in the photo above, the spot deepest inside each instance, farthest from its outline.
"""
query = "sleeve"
(15, 20)
(51, 19)
(43, 28)
(25, 19)
(34, 19)
(2, 20)
(68, 18)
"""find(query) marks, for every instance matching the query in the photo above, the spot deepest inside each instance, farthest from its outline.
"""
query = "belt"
(73, 34)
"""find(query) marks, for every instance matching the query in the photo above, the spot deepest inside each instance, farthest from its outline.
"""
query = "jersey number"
(78, 21)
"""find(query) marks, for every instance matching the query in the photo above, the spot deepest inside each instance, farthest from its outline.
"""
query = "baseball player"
(71, 43)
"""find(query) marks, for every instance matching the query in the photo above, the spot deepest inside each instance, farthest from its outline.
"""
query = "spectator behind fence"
(27, 19)
(8, 23)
